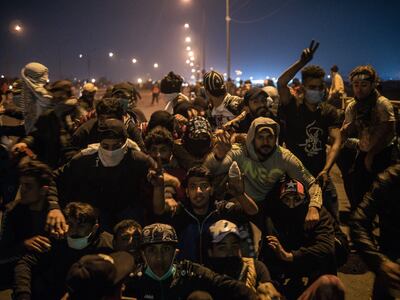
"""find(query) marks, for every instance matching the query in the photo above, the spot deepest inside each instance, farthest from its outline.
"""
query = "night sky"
(267, 36)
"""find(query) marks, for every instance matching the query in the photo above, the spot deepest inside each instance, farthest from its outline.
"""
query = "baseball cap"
(96, 275)
(158, 233)
(292, 187)
(220, 229)
(253, 93)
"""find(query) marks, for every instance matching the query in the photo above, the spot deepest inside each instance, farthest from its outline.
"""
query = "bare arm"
(283, 80)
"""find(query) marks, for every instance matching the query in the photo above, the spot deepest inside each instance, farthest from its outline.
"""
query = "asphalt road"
(357, 280)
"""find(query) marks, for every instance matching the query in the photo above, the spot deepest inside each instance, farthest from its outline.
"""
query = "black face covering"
(231, 266)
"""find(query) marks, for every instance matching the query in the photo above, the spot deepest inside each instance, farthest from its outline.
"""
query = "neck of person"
(37, 205)
(201, 211)
(311, 107)
(216, 101)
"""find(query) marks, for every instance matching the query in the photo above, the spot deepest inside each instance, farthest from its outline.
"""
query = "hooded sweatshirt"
(261, 176)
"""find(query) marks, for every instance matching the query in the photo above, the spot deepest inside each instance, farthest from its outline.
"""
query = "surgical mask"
(111, 158)
(78, 243)
(314, 96)
(171, 272)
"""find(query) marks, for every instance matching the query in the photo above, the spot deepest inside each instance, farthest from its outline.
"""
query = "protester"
(369, 118)
(126, 93)
(86, 101)
(336, 91)
(155, 93)
(42, 275)
(310, 124)
(170, 86)
(162, 277)
(383, 256)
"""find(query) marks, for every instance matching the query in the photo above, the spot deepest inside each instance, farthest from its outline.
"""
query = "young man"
(382, 256)
(106, 108)
(336, 92)
(264, 163)
(23, 225)
(42, 275)
(51, 138)
(293, 252)
(224, 106)
(308, 124)
(369, 118)
(225, 257)
(128, 96)
(162, 277)
(86, 101)
(170, 87)
(113, 170)
(194, 216)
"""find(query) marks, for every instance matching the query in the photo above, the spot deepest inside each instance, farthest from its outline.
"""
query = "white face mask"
(78, 243)
(111, 158)
(314, 96)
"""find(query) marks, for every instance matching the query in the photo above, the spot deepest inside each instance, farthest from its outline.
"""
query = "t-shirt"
(307, 132)
(366, 127)
(226, 111)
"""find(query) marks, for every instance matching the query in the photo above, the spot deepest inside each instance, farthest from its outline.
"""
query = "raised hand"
(222, 144)
(155, 176)
(308, 53)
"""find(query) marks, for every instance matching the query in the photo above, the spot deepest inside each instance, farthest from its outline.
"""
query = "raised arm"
(283, 80)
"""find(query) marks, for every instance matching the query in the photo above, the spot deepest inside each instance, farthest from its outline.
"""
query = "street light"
(190, 53)
(139, 80)
(188, 61)
(188, 39)
(191, 58)
(110, 54)
(18, 28)
(93, 80)
(191, 64)
(186, 25)
(188, 48)
(193, 70)
(80, 55)
(155, 65)
(134, 60)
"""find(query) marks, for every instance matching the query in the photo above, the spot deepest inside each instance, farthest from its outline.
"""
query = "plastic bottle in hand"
(234, 171)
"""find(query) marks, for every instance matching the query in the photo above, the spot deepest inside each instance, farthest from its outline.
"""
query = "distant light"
(10, 87)
(156, 65)
(188, 48)
(198, 71)
(2, 76)
(225, 74)
(237, 78)
(110, 54)
(191, 64)
(251, 77)
(134, 60)
(80, 55)
(191, 53)
(186, 25)
(93, 80)
(238, 72)
(188, 61)
(18, 28)
(273, 78)
(267, 77)
(192, 58)
(211, 68)
(139, 80)
(329, 76)
(192, 77)
(48, 80)
(193, 70)
(188, 39)
(74, 78)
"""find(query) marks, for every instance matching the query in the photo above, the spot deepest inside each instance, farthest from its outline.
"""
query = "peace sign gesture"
(308, 53)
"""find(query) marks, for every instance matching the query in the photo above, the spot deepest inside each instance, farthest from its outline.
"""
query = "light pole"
(228, 41)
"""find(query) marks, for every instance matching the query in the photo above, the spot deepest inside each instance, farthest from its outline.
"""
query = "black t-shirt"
(306, 132)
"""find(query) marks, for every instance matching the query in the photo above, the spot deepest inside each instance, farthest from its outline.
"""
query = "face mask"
(170, 97)
(171, 272)
(313, 96)
(78, 243)
(231, 265)
(111, 158)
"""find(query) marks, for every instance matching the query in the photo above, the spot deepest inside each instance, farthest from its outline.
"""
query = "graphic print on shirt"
(313, 144)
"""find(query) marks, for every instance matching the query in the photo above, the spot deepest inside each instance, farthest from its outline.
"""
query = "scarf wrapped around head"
(35, 98)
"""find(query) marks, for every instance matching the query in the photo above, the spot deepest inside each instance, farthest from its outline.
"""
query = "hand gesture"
(276, 246)
(222, 144)
(308, 53)
(56, 224)
(236, 185)
(38, 243)
(155, 176)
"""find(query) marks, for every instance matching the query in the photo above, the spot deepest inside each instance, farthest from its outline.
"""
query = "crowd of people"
(224, 195)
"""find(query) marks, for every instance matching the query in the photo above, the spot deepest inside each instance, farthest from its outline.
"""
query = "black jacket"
(119, 192)
(42, 276)
(382, 201)
(189, 277)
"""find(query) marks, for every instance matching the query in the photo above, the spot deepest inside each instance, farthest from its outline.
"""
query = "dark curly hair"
(36, 169)
(197, 171)
(83, 212)
(110, 106)
(364, 70)
(158, 135)
(312, 71)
